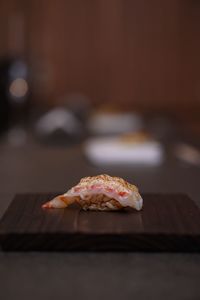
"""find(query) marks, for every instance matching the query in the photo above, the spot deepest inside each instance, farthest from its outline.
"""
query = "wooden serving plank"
(166, 223)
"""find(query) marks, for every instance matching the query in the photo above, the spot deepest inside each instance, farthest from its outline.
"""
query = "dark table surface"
(37, 168)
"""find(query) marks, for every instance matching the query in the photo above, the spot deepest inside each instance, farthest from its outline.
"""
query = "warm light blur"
(18, 88)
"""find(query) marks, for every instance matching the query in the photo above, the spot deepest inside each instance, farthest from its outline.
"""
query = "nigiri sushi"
(102, 192)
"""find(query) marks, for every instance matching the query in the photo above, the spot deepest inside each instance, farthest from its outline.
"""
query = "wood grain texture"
(167, 223)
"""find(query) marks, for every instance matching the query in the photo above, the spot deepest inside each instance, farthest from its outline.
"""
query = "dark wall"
(144, 54)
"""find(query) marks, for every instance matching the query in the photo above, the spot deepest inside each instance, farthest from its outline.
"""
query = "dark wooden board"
(166, 223)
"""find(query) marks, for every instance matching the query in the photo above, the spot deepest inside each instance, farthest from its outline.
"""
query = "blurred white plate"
(114, 151)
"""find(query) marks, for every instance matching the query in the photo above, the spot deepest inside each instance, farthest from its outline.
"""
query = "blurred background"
(138, 55)
(120, 78)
